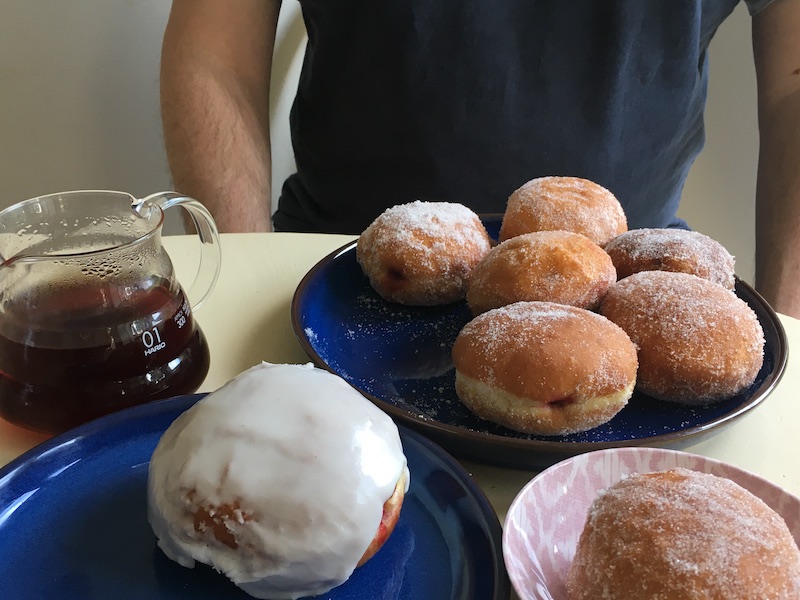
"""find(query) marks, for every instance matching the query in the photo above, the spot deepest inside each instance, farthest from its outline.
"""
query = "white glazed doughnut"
(285, 480)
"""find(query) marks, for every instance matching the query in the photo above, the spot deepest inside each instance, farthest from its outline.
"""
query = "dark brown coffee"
(93, 351)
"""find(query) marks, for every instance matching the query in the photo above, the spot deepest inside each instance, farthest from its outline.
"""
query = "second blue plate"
(399, 357)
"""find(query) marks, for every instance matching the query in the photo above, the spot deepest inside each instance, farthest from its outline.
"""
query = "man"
(465, 100)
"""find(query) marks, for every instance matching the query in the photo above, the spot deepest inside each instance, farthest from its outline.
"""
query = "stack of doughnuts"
(565, 241)
(537, 359)
(698, 342)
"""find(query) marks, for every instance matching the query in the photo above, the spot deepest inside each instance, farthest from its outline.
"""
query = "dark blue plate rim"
(25, 466)
(536, 453)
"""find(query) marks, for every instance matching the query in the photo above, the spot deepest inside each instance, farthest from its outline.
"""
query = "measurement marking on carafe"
(180, 316)
(152, 341)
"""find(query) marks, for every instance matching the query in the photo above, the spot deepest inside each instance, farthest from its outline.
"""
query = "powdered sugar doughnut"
(698, 342)
(549, 266)
(544, 368)
(422, 253)
(565, 203)
(683, 535)
(678, 250)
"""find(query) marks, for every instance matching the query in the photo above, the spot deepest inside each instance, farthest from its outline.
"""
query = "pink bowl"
(546, 518)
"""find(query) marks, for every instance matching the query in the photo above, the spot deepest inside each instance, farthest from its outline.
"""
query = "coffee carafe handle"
(210, 248)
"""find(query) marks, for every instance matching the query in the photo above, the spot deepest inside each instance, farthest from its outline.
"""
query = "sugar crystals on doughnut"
(422, 253)
(698, 342)
(549, 266)
(544, 368)
(680, 534)
(564, 203)
(671, 249)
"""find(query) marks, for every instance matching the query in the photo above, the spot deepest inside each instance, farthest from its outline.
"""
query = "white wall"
(78, 96)
(79, 109)
(718, 199)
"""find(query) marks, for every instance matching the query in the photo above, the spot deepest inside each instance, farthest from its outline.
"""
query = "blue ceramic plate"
(399, 357)
(73, 525)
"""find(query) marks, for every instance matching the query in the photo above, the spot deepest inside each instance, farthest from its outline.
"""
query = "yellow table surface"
(247, 320)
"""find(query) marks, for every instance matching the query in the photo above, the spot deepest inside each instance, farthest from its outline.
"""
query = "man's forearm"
(778, 208)
(215, 77)
(218, 146)
(776, 50)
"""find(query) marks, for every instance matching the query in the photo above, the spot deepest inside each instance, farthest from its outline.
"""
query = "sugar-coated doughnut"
(564, 203)
(548, 266)
(285, 480)
(669, 249)
(683, 535)
(544, 368)
(698, 342)
(422, 253)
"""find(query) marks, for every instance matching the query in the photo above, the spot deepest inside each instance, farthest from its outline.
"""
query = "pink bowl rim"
(682, 458)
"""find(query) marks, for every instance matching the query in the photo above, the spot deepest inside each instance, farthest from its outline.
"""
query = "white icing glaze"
(304, 461)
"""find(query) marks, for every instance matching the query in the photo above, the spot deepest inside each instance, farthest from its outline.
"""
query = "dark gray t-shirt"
(466, 100)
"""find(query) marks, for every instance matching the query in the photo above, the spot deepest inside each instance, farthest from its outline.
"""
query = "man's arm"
(215, 72)
(776, 48)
